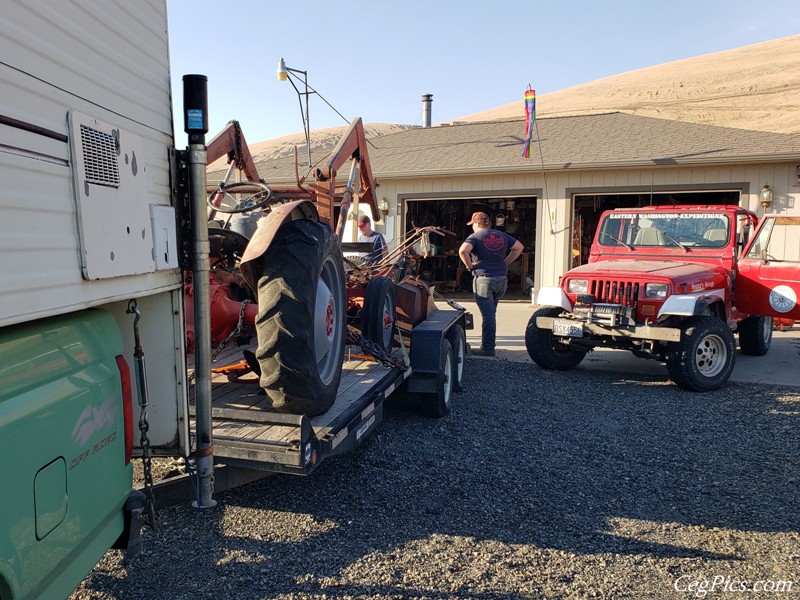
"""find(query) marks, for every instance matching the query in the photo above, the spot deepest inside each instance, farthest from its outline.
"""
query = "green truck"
(89, 249)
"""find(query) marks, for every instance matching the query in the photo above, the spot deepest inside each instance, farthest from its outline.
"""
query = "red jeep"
(673, 283)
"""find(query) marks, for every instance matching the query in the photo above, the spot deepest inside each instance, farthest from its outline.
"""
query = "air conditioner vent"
(99, 157)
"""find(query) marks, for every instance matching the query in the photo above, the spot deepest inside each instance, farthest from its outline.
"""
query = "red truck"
(673, 283)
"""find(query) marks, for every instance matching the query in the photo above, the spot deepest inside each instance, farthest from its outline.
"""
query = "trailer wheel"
(437, 405)
(379, 314)
(545, 349)
(458, 342)
(755, 335)
(301, 320)
(704, 358)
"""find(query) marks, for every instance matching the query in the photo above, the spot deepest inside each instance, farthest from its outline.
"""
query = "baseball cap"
(479, 217)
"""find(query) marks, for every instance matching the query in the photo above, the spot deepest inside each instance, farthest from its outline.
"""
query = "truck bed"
(249, 433)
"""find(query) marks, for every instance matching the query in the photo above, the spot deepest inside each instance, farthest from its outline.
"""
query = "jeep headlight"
(578, 286)
(656, 290)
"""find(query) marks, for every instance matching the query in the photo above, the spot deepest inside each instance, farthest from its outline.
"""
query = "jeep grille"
(613, 291)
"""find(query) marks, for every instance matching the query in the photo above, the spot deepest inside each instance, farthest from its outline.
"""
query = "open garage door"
(516, 215)
(589, 207)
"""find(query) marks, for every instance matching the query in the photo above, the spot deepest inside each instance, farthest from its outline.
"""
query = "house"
(578, 167)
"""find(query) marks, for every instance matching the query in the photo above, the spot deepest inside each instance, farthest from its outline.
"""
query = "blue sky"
(376, 59)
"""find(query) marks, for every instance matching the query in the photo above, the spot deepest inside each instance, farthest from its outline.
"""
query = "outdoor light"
(283, 74)
(766, 196)
(287, 73)
(383, 206)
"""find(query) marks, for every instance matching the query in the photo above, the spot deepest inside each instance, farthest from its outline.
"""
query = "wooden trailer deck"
(249, 432)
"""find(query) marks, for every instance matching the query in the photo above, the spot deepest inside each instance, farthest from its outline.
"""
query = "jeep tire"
(704, 358)
(545, 349)
(755, 335)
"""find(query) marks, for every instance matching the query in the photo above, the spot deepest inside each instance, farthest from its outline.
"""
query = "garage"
(440, 265)
(589, 207)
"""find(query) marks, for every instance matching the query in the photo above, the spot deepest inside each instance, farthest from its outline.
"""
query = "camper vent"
(99, 157)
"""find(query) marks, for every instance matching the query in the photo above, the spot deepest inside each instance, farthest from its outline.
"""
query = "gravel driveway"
(538, 484)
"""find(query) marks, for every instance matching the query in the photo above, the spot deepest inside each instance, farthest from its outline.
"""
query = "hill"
(754, 87)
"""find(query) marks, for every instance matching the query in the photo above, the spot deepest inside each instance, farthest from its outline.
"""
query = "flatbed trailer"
(249, 434)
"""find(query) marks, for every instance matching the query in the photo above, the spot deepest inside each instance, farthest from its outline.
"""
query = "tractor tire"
(545, 349)
(301, 321)
(379, 314)
(704, 358)
(755, 335)
(458, 342)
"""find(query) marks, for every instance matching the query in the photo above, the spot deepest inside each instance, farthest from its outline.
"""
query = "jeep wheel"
(755, 335)
(704, 358)
(547, 350)
(301, 319)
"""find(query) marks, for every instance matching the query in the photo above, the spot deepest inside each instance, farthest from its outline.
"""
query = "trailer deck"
(249, 433)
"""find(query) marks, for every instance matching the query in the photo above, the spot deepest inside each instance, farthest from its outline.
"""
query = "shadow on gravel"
(581, 462)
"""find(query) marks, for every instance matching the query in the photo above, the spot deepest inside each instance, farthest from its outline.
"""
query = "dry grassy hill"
(754, 87)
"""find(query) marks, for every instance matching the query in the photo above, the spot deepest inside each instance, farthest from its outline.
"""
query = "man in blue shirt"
(365, 234)
(487, 253)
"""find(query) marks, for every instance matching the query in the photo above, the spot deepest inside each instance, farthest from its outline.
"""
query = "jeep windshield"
(669, 230)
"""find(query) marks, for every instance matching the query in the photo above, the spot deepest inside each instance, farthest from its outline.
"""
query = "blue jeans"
(488, 291)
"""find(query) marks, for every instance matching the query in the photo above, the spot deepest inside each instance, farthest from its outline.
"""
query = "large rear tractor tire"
(704, 358)
(379, 314)
(545, 349)
(301, 321)
(755, 335)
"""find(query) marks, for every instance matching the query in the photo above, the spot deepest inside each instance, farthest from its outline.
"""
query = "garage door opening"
(442, 267)
(589, 207)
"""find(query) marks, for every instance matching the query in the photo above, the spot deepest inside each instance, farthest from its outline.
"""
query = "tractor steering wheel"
(230, 205)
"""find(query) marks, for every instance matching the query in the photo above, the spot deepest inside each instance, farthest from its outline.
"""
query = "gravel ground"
(538, 484)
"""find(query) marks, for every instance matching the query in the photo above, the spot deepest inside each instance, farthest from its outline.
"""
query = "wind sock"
(530, 117)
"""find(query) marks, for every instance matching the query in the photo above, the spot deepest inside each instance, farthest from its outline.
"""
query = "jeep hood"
(640, 268)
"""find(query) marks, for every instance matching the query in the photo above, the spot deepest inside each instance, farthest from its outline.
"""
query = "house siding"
(556, 190)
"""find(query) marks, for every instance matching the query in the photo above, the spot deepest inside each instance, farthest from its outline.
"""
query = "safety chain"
(355, 338)
(235, 333)
(144, 425)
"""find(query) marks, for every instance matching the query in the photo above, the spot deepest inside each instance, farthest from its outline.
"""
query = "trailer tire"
(458, 342)
(704, 358)
(379, 314)
(755, 335)
(545, 350)
(437, 404)
(301, 320)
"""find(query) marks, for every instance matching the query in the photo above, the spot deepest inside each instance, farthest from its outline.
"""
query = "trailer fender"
(268, 226)
(690, 305)
(553, 296)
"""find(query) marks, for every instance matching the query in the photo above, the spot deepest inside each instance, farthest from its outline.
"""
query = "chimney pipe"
(427, 100)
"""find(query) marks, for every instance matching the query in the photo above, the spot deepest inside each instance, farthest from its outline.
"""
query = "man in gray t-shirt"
(366, 234)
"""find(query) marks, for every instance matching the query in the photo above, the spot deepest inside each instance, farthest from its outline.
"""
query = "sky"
(374, 60)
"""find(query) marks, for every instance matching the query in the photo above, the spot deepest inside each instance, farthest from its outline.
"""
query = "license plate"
(567, 328)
